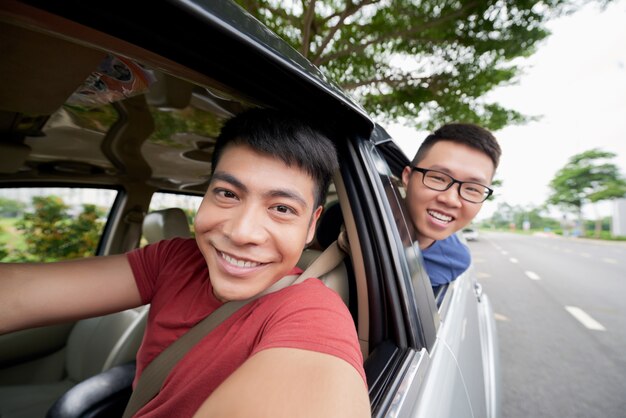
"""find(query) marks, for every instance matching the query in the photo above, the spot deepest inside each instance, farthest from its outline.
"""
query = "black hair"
(287, 137)
(469, 134)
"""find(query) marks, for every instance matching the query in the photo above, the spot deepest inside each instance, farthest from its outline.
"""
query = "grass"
(10, 237)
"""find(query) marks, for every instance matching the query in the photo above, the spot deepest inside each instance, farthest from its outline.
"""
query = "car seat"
(328, 231)
(164, 224)
(94, 345)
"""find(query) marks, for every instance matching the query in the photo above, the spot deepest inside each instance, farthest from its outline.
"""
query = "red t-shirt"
(173, 277)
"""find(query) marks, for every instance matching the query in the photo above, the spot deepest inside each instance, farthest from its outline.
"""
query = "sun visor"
(40, 72)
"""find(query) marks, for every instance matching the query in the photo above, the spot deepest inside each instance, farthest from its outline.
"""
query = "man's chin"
(438, 234)
(230, 295)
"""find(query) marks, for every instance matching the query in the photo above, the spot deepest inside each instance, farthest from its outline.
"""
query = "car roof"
(225, 58)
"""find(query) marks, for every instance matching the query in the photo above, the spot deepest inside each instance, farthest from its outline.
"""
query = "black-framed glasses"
(468, 190)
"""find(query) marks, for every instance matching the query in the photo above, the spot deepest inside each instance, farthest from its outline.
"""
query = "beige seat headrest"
(165, 224)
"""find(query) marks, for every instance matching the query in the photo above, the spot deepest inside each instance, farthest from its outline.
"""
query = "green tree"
(10, 208)
(52, 234)
(423, 61)
(503, 216)
(588, 177)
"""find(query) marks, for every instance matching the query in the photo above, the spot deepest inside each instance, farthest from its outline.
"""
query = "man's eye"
(475, 190)
(438, 179)
(225, 193)
(284, 209)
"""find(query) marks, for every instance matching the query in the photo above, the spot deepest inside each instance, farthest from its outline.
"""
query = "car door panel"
(490, 355)
(443, 393)
(33, 355)
(460, 333)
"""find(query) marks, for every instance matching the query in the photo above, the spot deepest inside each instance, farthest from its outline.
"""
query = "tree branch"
(280, 12)
(347, 12)
(394, 80)
(307, 28)
(394, 35)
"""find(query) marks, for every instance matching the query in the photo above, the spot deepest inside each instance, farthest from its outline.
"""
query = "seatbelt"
(153, 376)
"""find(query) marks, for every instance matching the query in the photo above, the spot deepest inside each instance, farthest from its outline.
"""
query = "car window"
(52, 223)
(396, 192)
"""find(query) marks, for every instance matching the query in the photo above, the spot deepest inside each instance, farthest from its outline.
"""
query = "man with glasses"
(447, 182)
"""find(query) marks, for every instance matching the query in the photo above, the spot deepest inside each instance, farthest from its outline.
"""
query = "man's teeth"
(440, 216)
(239, 263)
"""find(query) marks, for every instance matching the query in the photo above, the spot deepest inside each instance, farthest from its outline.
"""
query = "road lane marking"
(482, 275)
(500, 317)
(532, 275)
(584, 318)
(503, 252)
(513, 260)
(586, 255)
(609, 260)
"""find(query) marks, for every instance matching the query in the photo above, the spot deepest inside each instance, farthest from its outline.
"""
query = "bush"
(51, 234)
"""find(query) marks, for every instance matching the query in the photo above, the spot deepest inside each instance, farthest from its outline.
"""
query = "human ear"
(311, 232)
(406, 175)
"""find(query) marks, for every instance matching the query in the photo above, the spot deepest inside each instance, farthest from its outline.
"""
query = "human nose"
(247, 226)
(451, 197)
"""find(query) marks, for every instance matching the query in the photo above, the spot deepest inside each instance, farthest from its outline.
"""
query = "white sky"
(577, 82)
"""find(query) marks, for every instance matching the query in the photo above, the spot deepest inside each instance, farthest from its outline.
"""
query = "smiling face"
(254, 222)
(437, 215)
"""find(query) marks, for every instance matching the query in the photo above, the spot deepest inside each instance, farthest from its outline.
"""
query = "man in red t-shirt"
(289, 353)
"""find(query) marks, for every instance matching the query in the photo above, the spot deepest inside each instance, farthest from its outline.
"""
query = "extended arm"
(286, 382)
(42, 294)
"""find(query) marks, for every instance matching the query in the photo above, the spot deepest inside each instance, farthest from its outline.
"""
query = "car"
(109, 114)
(470, 234)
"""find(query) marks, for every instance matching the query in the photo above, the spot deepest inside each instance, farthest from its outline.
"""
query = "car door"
(451, 372)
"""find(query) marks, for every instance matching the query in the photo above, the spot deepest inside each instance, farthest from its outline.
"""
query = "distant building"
(618, 227)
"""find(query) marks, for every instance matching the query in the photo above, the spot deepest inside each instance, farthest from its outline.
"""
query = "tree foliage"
(507, 215)
(10, 207)
(51, 234)
(588, 177)
(424, 61)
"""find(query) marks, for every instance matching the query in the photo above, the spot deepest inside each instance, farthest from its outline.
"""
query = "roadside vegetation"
(587, 179)
(48, 231)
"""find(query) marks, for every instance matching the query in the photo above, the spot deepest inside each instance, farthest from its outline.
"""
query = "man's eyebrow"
(471, 179)
(286, 193)
(289, 194)
(229, 178)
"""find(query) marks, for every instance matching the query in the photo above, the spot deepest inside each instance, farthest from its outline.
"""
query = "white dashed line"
(500, 317)
(531, 275)
(609, 260)
(513, 260)
(585, 319)
(503, 252)
(586, 255)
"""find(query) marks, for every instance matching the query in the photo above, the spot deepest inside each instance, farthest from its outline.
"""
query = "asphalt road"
(560, 307)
